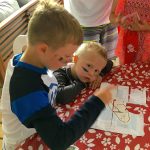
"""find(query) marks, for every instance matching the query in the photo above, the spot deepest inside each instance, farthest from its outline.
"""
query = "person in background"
(90, 65)
(93, 15)
(133, 17)
(30, 86)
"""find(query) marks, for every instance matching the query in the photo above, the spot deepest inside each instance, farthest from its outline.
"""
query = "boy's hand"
(96, 84)
(105, 94)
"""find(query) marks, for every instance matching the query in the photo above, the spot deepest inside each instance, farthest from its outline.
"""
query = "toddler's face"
(89, 66)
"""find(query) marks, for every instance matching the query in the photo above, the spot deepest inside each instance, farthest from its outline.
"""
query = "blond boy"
(90, 65)
(30, 87)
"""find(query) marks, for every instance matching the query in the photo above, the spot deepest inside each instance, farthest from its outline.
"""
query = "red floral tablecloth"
(133, 75)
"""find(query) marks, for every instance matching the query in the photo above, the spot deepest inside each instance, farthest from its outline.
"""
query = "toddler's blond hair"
(91, 47)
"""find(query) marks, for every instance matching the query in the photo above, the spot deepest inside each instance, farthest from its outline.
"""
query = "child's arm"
(58, 135)
(67, 88)
(31, 104)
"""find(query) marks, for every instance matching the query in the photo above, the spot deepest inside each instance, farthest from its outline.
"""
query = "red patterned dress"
(134, 46)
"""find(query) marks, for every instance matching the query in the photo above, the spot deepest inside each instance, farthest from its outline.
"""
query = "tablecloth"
(133, 75)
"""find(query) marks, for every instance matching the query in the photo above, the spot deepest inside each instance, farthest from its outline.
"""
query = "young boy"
(90, 65)
(29, 88)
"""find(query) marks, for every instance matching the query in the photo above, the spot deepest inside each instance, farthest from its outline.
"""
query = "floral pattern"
(135, 75)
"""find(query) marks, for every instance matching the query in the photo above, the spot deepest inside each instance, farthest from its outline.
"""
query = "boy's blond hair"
(91, 47)
(53, 25)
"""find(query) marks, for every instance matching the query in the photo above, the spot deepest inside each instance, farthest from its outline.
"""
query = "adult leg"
(91, 34)
(109, 38)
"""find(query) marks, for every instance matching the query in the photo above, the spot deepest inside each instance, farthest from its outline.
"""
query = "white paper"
(138, 96)
(123, 93)
(114, 91)
(116, 118)
(119, 92)
(127, 124)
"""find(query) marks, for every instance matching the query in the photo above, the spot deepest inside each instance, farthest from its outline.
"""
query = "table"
(135, 75)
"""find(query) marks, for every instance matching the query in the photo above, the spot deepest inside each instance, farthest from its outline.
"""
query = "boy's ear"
(74, 59)
(42, 47)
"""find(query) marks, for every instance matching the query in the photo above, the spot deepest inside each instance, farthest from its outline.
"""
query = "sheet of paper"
(124, 123)
(138, 96)
(119, 92)
(116, 118)
(114, 91)
(123, 93)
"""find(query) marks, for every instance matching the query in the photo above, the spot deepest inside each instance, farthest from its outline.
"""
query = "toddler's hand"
(95, 84)
(105, 94)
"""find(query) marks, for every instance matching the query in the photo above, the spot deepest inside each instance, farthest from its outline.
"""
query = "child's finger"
(94, 85)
